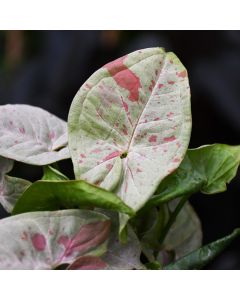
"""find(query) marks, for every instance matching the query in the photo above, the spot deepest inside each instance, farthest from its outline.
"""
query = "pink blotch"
(124, 130)
(176, 160)
(160, 85)
(16, 142)
(50, 232)
(109, 167)
(151, 85)
(170, 114)
(64, 240)
(156, 119)
(124, 77)
(83, 155)
(182, 74)
(97, 150)
(169, 139)
(112, 155)
(152, 139)
(125, 106)
(22, 130)
(139, 170)
(171, 82)
(80, 161)
(178, 144)
(38, 241)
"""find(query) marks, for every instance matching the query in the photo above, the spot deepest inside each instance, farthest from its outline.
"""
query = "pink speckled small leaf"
(11, 188)
(32, 135)
(45, 240)
(130, 124)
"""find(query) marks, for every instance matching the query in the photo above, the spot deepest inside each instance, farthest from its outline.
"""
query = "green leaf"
(54, 195)
(52, 174)
(201, 257)
(45, 240)
(130, 123)
(32, 135)
(207, 169)
(11, 188)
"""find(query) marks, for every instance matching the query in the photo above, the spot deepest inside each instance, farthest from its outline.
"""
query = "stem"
(172, 218)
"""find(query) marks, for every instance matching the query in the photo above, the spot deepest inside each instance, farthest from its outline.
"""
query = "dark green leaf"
(54, 195)
(201, 257)
(52, 174)
(207, 169)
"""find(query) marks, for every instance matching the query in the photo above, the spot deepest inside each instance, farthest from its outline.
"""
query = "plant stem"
(172, 218)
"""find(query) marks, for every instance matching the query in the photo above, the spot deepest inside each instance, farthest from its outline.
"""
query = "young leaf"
(31, 135)
(44, 240)
(11, 188)
(53, 174)
(201, 257)
(54, 195)
(129, 124)
(207, 169)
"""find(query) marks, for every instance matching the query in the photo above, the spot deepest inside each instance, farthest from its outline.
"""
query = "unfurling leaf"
(53, 195)
(207, 169)
(32, 135)
(45, 240)
(130, 123)
(201, 257)
(53, 174)
(11, 188)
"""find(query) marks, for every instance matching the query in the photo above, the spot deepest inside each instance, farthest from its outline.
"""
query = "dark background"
(46, 68)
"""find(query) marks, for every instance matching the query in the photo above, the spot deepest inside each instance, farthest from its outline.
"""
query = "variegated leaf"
(32, 135)
(11, 188)
(130, 123)
(45, 240)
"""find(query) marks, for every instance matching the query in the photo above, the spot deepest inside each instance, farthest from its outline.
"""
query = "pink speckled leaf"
(32, 135)
(45, 240)
(11, 188)
(130, 124)
(88, 263)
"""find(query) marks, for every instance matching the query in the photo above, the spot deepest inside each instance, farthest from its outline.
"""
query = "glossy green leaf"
(129, 124)
(11, 188)
(54, 195)
(201, 257)
(51, 173)
(32, 135)
(207, 169)
(45, 240)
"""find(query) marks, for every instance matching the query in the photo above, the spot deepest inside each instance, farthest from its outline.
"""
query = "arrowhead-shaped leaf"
(31, 135)
(44, 240)
(130, 123)
(53, 195)
(11, 188)
(201, 257)
(207, 169)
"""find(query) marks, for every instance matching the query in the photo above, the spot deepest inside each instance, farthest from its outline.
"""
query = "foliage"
(127, 135)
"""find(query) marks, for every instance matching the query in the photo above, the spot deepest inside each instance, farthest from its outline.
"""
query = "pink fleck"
(182, 74)
(170, 114)
(50, 232)
(88, 86)
(112, 155)
(117, 124)
(125, 105)
(152, 85)
(22, 130)
(83, 155)
(51, 135)
(24, 236)
(124, 130)
(156, 119)
(126, 186)
(152, 139)
(16, 142)
(80, 161)
(139, 170)
(39, 241)
(176, 160)
(109, 167)
(160, 85)
(169, 139)
(124, 77)
(171, 82)
(178, 144)
(11, 123)
(97, 150)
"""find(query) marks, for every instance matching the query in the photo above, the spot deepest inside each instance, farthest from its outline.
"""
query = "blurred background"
(46, 69)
